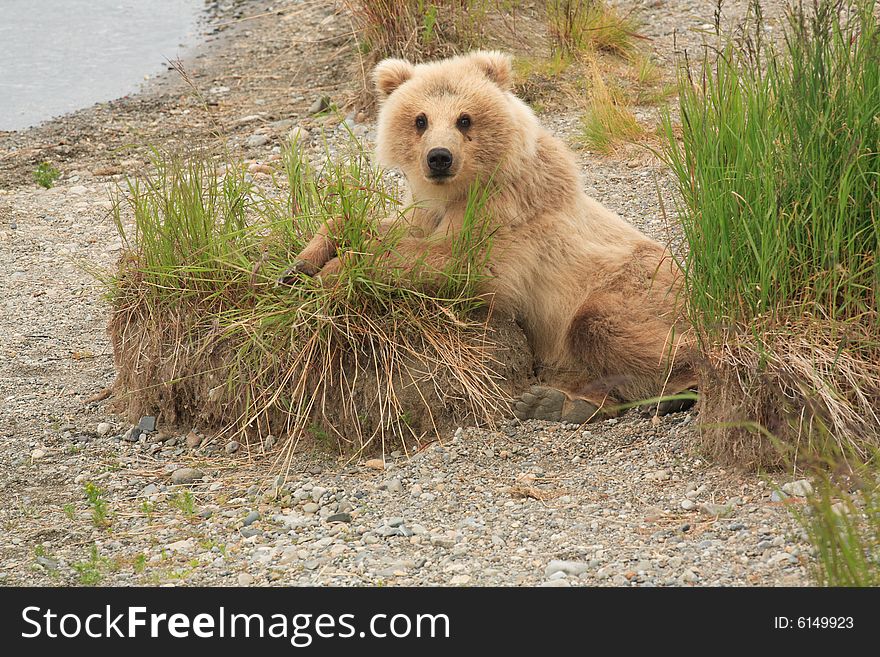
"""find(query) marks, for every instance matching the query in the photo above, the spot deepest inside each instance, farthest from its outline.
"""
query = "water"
(57, 56)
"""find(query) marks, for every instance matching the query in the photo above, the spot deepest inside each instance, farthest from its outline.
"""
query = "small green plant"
(95, 497)
(321, 435)
(45, 175)
(90, 572)
(140, 563)
(185, 503)
(147, 509)
(69, 510)
(842, 520)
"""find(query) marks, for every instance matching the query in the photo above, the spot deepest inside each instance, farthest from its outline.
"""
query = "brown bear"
(597, 299)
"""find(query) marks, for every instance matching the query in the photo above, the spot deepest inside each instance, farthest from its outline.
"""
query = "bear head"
(449, 123)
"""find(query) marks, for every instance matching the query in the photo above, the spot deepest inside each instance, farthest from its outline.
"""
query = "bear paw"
(543, 403)
(298, 268)
(668, 406)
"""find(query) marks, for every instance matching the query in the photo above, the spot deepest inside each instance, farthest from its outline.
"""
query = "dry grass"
(418, 29)
(607, 123)
(204, 337)
(816, 387)
(591, 26)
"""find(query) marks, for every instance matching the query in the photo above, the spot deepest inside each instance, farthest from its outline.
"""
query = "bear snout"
(439, 161)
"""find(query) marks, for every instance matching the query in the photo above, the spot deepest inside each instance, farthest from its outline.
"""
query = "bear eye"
(421, 122)
(464, 122)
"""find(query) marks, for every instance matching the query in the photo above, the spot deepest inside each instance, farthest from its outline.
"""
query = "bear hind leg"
(545, 403)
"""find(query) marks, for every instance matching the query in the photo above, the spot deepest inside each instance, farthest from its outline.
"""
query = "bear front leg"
(320, 250)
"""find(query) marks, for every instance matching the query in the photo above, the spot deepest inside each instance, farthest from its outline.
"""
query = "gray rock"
(255, 141)
(393, 485)
(132, 435)
(47, 563)
(251, 518)
(555, 583)
(103, 428)
(247, 532)
(311, 507)
(799, 488)
(575, 568)
(148, 423)
(232, 447)
(149, 489)
(298, 136)
(714, 509)
(340, 517)
(320, 104)
(688, 505)
(442, 541)
(395, 522)
(777, 496)
(183, 476)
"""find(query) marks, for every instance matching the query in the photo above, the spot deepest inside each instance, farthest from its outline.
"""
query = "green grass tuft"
(45, 175)
(777, 168)
(202, 330)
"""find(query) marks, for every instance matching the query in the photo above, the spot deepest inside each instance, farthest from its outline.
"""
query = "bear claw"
(291, 274)
(668, 406)
(543, 403)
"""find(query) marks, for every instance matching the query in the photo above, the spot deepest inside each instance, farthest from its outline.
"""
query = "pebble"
(375, 464)
(799, 488)
(555, 584)
(257, 140)
(103, 428)
(311, 507)
(147, 423)
(232, 447)
(193, 440)
(251, 518)
(298, 136)
(714, 509)
(245, 579)
(183, 476)
(574, 568)
(320, 104)
(459, 580)
(339, 517)
(688, 505)
(38, 454)
(393, 485)
(777, 496)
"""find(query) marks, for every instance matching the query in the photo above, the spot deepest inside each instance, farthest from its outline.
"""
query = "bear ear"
(390, 74)
(497, 66)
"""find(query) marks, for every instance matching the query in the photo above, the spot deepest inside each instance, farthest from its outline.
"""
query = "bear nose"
(439, 160)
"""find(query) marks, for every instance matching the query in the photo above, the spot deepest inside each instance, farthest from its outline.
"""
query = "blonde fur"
(597, 299)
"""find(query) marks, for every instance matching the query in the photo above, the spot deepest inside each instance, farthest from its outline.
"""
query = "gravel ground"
(623, 503)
